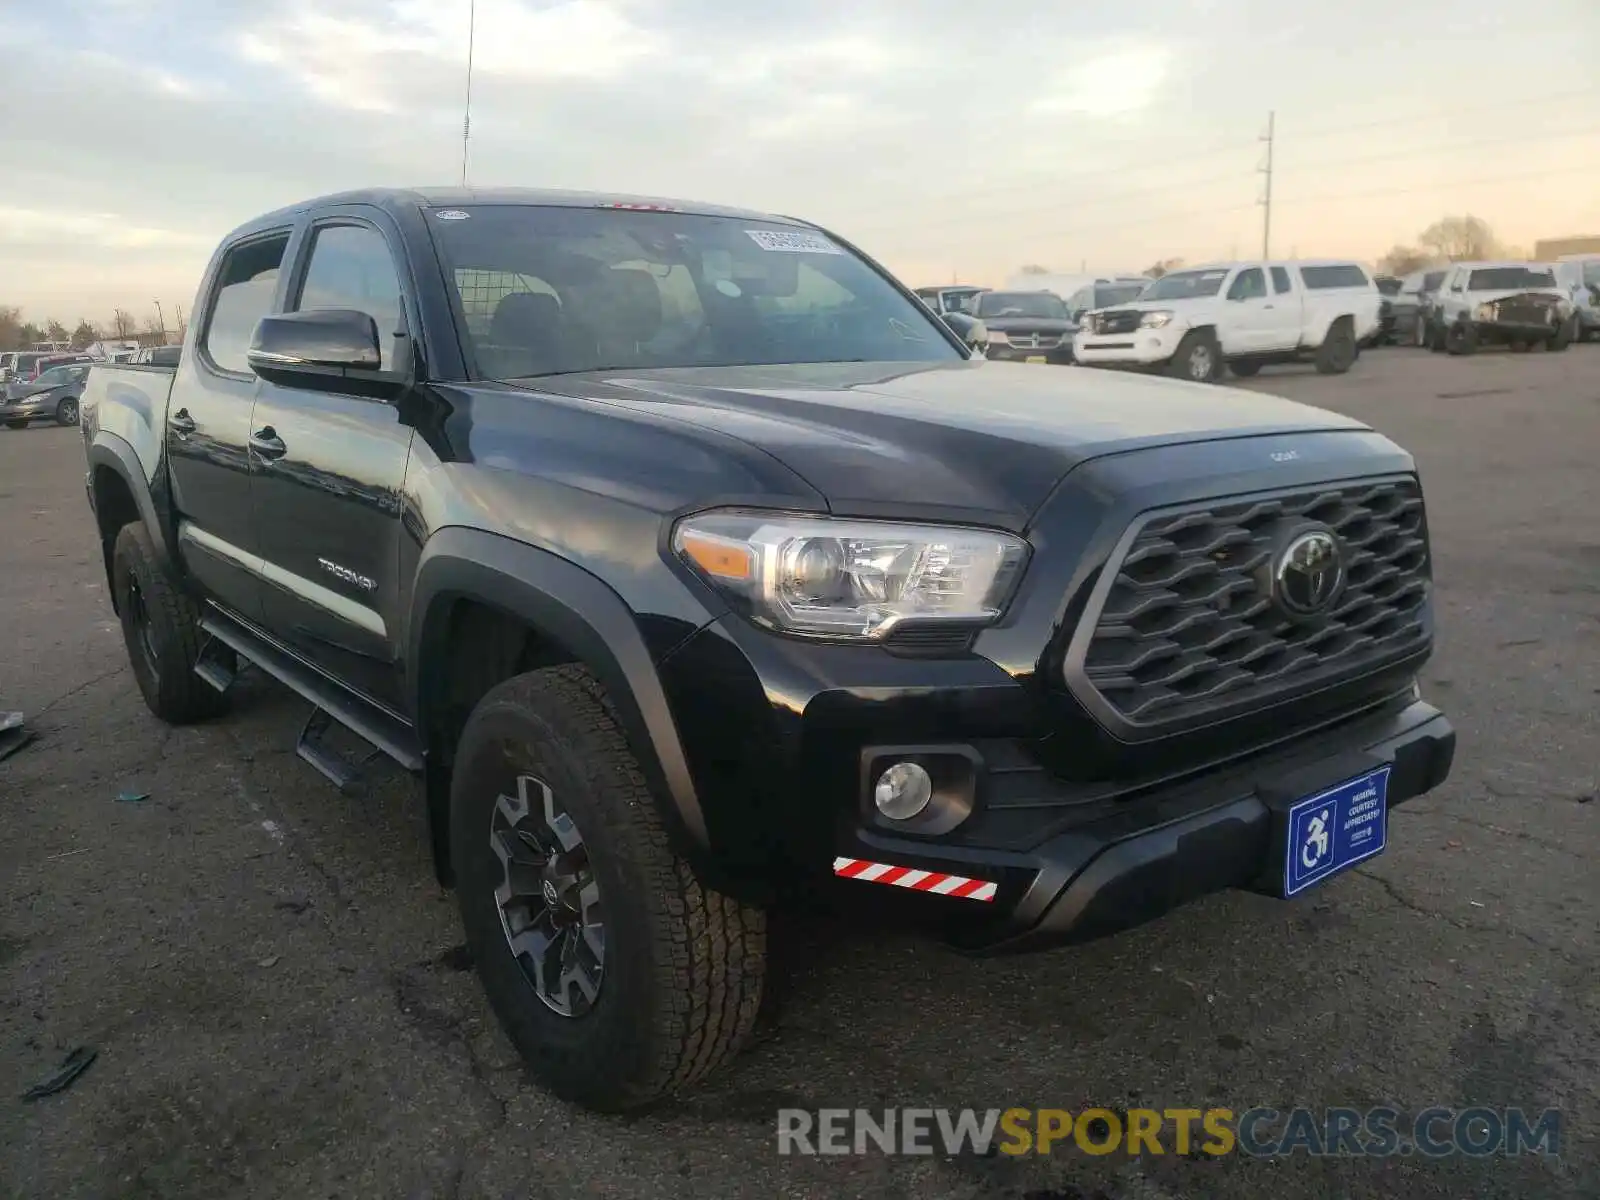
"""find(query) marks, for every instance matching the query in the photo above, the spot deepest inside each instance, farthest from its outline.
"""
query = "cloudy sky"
(949, 137)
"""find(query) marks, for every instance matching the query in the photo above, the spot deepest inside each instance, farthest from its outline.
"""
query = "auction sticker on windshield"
(792, 243)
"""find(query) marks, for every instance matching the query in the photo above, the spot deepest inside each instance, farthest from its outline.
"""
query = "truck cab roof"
(398, 199)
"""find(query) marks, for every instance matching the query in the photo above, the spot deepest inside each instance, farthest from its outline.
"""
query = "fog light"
(903, 791)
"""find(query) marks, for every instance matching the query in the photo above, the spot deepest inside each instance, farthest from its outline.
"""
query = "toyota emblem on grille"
(1309, 573)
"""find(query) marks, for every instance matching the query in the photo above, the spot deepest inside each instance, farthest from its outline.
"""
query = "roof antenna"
(466, 119)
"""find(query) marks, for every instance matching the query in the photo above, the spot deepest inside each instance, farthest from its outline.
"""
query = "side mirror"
(970, 330)
(319, 341)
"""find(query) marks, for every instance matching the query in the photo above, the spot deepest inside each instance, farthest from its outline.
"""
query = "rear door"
(329, 467)
(208, 426)
(1283, 316)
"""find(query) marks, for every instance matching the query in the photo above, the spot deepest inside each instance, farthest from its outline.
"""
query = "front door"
(208, 428)
(328, 471)
(1244, 328)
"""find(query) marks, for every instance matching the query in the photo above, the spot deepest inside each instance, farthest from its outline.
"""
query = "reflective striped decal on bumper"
(936, 882)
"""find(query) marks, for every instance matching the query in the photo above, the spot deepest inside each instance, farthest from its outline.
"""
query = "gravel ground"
(281, 1009)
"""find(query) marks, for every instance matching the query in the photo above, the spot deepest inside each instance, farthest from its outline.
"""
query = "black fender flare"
(579, 612)
(110, 452)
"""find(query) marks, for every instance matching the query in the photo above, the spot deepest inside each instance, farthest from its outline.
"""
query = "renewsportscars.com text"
(1258, 1132)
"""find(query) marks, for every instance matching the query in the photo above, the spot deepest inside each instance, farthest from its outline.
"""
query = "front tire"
(1245, 368)
(161, 629)
(619, 976)
(1198, 358)
(1562, 338)
(1338, 351)
(1459, 340)
(23, 424)
(67, 411)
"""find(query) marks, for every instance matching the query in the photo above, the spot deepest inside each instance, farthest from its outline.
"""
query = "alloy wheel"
(548, 898)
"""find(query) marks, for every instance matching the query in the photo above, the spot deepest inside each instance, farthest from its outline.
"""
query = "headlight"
(997, 338)
(1484, 312)
(1155, 320)
(854, 579)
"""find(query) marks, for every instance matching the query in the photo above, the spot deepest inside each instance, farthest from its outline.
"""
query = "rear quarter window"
(1344, 275)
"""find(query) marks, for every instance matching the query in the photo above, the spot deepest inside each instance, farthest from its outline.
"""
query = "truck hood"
(1029, 324)
(983, 440)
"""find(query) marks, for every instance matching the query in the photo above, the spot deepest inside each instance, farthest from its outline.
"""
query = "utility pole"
(466, 118)
(161, 321)
(1266, 200)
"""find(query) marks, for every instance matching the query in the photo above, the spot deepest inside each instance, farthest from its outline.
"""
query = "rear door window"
(1280, 280)
(243, 294)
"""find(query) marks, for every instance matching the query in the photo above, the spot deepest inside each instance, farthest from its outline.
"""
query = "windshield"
(1021, 304)
(1116, 293)
(1591, 273)
(56, 376)
(548, 290)
(1185, 285)
(1492, 279)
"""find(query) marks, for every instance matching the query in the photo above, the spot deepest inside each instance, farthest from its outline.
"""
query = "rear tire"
(673, 992)
(1562, 338)
(1338, 351)
(1435, 341)
(1245, 368)
(23, 424)
(1518, 346)
(1198, 358)
(161, 628)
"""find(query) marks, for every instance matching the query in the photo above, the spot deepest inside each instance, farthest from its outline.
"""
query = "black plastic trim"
(577, 611)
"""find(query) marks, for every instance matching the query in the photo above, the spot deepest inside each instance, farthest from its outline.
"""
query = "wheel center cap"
(552, 895)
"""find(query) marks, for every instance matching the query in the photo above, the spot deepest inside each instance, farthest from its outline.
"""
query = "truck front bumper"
(1141, 348)
(1152, 853)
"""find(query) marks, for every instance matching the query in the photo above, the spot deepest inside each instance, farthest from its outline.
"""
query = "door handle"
(267, 445)
(181, 423)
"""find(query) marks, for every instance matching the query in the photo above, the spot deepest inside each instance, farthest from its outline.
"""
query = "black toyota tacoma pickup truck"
(694, 564)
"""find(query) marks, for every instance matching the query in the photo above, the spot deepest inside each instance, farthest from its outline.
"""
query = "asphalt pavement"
(281, 1006)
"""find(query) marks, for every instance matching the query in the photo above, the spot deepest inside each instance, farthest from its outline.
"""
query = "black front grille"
(1188, 629)
(1524, 313)
(1117, 321)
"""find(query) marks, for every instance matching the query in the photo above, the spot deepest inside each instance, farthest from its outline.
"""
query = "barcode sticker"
(792, 243)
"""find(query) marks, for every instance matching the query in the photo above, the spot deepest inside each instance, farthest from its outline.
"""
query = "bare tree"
(10, 328)
(57, 332)
(1402, 260)
(122, 323)
(1460, 239)
(1033, 269)
(1158, 269)
(153, 325)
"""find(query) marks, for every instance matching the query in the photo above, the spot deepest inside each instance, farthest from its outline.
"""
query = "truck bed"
(131, 403)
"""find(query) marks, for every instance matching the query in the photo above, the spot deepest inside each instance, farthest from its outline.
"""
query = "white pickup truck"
(1192, 323)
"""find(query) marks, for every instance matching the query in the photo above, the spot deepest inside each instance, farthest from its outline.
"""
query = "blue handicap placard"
(1336, 829)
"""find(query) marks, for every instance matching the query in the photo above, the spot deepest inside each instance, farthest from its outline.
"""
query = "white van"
(1191, 323)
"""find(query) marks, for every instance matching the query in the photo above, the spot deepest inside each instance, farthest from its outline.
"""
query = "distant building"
(1551, 249)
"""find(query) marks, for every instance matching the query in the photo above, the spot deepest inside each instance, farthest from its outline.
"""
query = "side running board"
(383, 732)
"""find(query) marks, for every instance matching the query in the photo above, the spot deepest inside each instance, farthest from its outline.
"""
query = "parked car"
(1388, 287)
(679, 609)
(157, 356)
(1026, 326)
(1514, 304)
(8, 360)
(1410, 305)
(1104, 294)
(54, 394)
(1581, 278)
(1191, 323)
(950, 299)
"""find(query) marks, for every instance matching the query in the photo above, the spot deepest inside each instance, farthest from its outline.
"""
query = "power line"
(1324, 132)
